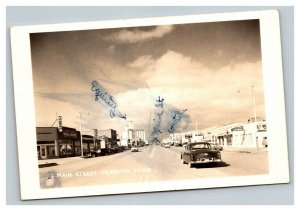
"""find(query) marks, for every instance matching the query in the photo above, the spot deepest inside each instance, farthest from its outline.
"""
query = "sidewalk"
(57, 161)
(244, 149)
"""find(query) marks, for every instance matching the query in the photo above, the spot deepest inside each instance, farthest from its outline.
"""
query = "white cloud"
(142, 62)
(127, 36)
(209, 94)
(145, 65)
(136, 103)
(111, 49)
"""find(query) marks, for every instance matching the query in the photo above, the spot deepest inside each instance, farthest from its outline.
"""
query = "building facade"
(52, 143)
(133, 137)
(107, 140)
(249, 134)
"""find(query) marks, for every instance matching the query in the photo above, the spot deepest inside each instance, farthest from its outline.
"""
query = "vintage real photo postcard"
(155, 104)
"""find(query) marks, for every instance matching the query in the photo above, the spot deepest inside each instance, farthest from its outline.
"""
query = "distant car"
(177, 145)
(200, 152)
(167, 145)
(216, 146)
(184, 144)
(134, 149)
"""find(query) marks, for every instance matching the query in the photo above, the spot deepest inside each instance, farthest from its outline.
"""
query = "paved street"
(151, 163)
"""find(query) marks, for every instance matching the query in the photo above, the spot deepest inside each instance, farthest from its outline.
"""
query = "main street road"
(151, 163)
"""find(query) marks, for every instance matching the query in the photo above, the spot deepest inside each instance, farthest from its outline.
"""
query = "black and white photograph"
(165, 105)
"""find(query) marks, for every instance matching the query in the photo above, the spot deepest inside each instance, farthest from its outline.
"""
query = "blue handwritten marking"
(156, 129)
(108, 99)
(175, 119)
(160, 102)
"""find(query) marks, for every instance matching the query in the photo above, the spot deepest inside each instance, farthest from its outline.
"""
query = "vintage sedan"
(200, 152)
(134, 149)
(167, 145)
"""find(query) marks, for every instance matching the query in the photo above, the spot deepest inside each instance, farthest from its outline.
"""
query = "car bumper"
(206, 161)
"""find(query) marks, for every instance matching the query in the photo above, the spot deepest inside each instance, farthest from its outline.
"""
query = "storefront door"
(43, 152)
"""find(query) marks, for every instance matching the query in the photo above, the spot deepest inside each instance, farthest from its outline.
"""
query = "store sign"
(240, 128)
(261, 127)
(60, 123)
(68, 133)
(87, 138)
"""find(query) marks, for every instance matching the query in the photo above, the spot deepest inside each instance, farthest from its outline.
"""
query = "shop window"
(38, 151)
(43, 151)
(229, 140)
(51, 150)
(48, 150)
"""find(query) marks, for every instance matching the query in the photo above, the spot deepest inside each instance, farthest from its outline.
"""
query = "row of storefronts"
(54, 143)
(249, 134)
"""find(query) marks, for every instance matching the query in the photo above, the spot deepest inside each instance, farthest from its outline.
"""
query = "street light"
(255, 115)
(81, 144)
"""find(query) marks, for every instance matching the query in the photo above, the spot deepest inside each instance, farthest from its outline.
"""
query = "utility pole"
(254, 103)
(56, 119)
(80, 135)
(255, 123)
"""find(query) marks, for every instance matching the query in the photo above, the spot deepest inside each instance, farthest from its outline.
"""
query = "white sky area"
(207, 68)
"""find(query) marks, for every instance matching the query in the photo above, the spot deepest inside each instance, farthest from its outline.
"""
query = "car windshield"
(200, 146)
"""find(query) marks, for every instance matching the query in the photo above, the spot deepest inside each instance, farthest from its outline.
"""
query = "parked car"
(216, 146)
(200, 152)
(167, 145)
(134, 149)
(92, 154)
(95, 153)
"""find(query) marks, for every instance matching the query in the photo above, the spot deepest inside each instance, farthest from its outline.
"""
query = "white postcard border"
(274, 101)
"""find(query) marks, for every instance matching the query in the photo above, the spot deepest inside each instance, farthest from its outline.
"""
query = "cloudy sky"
(207, 68)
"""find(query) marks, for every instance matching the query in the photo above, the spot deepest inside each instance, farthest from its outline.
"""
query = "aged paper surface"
(150, 104)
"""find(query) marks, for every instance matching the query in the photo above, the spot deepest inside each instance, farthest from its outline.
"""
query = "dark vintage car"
(200, 152)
